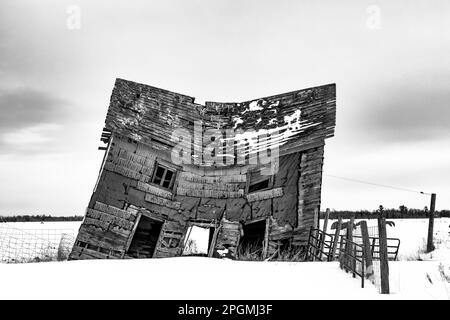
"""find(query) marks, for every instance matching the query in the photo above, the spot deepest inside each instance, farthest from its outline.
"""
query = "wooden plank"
(111, 220)
(133, 231)
(124, 214)
(325, 226)
(336, 240)
(217, 194)
(157, 191)
(264, 195)
(367, 252)
(384, 262)
(348, 246)
(266, 238)
(214, 241)
(162, 201)
(315, 240)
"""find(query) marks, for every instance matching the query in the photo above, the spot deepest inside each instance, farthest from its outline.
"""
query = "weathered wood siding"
(310, 186)
(200, 194)
(150, 115)
(141, 120)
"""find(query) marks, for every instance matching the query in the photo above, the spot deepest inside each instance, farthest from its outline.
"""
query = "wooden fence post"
(325, 220)
(366, 249)
(384, 263)
(335, 240)
(325, 225)
(266, 238)
(316, 233)
(348, 248)
(308, 247)
(430, 245)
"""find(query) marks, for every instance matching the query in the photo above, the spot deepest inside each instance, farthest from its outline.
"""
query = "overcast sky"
(389, 59)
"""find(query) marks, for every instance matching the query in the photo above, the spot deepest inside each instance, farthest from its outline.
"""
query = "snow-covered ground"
(68, 226)
(179, 278)
(206, 278)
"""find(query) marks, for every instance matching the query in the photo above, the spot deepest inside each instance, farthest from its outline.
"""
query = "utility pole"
(430, 245)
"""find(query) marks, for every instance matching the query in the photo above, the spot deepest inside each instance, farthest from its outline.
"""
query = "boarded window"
(163, 176)
(258, 181)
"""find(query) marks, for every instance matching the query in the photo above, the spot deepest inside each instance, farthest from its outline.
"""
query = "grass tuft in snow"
(254, 253)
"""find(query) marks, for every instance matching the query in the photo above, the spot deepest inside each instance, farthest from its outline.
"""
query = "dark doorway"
(252, 240)
(145, 238)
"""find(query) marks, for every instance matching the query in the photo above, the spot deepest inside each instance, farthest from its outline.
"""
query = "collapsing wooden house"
(245, 174)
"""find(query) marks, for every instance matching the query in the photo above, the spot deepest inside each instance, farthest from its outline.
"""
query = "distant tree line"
(38, 218)
(401, 213)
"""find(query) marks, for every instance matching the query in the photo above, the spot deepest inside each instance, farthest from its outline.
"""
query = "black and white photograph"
(224, 155)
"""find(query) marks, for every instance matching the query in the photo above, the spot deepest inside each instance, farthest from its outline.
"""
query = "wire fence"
(19, 245)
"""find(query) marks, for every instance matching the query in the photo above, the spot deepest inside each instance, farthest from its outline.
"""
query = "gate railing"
(351, 258)
(319, 246)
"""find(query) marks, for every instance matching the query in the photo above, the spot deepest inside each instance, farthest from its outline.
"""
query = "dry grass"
(254, 253)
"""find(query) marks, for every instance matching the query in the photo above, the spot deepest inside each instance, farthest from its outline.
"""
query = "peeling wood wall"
(150, 115)
(124, 190)
(310, 186)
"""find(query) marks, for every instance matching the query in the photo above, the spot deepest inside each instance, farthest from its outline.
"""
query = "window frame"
(250, 183)
(166, 168)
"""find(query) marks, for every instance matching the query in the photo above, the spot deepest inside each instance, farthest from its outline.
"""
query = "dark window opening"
(259, 185)
(252, 241)
(259, 181)
(145, 238)
(163, 177)
(198, 241)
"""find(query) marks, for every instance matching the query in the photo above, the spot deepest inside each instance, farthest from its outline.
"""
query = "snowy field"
(206, 278)
(63, 226)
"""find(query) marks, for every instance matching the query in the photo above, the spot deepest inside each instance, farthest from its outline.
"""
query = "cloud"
(414, 109)
(29, 119)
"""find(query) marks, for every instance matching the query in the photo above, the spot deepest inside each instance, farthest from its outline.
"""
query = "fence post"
(362, 271)
(341, 250)
(266, 238)
(323, 239)
(430, 245)
(335, 240)
(354, 260)
(348, 247)
(316, 233)
(367, 254)
(384, 264)
(308, 247)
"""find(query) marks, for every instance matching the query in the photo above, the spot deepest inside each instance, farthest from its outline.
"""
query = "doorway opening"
(198, 241)
(252, 240)
(145, 238)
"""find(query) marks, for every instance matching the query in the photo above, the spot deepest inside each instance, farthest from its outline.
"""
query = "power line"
(376, 184)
